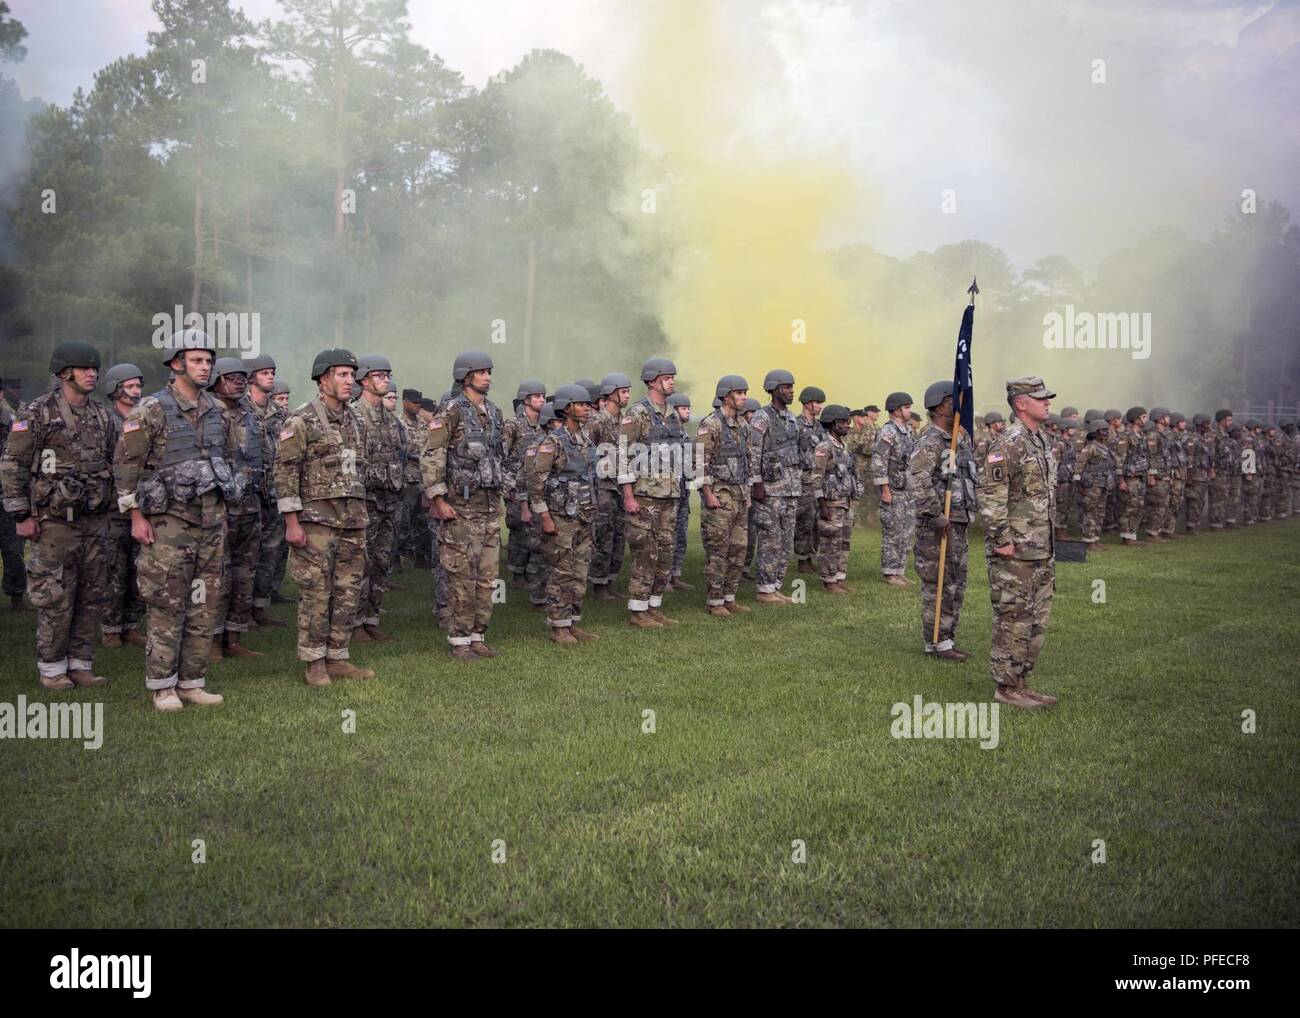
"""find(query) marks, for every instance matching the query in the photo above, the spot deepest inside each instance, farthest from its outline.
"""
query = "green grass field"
(770, 728)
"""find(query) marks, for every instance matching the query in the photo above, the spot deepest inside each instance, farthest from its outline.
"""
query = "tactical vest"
(194, 460)
(664, 434)
(1138, 461)
(900, 452)
(72, 476)
(384, 448)
(1227, 455)
(810, 437)
(781, 449)
(477, 461)
(248, 455)
(1096, 472)
(731, 459)
(964, 481)
(1065, 465)
(330, 469)
(528, 433)
(572, 490)
(840, 480)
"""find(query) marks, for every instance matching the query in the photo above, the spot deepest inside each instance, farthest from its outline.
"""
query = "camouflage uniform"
(1094, 477)
(806, 525)
(173, 464)
(1132, 461)
(889, 465)
(123, 608)
(1156, 502)
(561, 480)
(243, 520)
(774, 458)
(861, 442)
(835, 487)
(524, 553)
(929, 483)
(1226, 459)
(1063, 451)
(463, 460)
(413, 536)
(607, 557)
(1250, 482)
(1285, 455)
(384, 442)
(1176, 461)
(1267, 474)
(11, 545)
(651, 434)
(725, 465)
(1017, 492)
(57, 468)
(1197, 453)
(1115, 498)
(319, 474)
(270, 557)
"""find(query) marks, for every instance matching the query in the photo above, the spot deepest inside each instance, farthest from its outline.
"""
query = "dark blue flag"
(963, 383)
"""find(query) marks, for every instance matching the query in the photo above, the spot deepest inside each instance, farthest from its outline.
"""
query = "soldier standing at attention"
(56, 476)
(1016, 494)
(1156, 504)
(384, 444)
(681, 404)
(933, 473)
(724, 496)
(1226, 460)
(320, 489)
(651, 432)
(243, 515)
(811, 433)
(123, 384)
(463, 469)
(173, 474)
(602, 427)
(994, 426)
(11, 545)
(1063, 453)
(889, 471)
(774, 458)
(1286, 460)
(751, 538)
(1176, 460)
(861, 441)
(1132, 460)
(523, 550)
(1198, 451)
(836, 487)
(260, 402)
(562, 495)
(1093, 475)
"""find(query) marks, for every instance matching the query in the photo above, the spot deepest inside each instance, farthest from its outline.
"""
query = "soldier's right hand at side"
(141, 529)
(525, 514)
(548, 524)
(758, 493)
(1006, 550)
(710, 499)
(294, 534)
(630, 505)
(29, 528)
(1122, 485)
(886, 496)
(443, 509)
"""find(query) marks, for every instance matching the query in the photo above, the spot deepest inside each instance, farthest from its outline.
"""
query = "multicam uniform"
(724, 444)
(11, 545)
(889, 465)
(243, 519)
(774, 457)
(607, 556)
(1176, 461)
(123, 608)
(861, 442)
(651, 532)
(524, 557)
(561, 480)
(1132, 460)
(929, 483)
(835, 487)
(412, 537)
(1225, 487)
(271, 422)
(1198, 451)
(1094, 471)
(384, 442)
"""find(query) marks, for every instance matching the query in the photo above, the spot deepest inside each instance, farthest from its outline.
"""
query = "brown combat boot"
(806, 566)
(679, 584)
(214, 652)
(135, 639)
(346, 670)
(359, 635)
(643, 620)
(1131, 542)
(561, 635)
(261, 617)
(771, 597)
(200, 697)
(748, 574)
(718, 611)
(378, 635)
(82, 677)
(58, 682)
(965, 654)
(949, 655)
(111, 640)
(463, 653)
(316, 673)
(233, 648)
(1034, 694)
(606, 592)
(831, 587)
(482, 649)
(582, 635)
(661, 618)
(895, 580)
(166, 701)
(736, 608)
(1014, 696)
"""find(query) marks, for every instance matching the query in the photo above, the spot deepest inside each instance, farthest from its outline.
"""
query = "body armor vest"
(841, 480)
(781, 450)
(810, 437)
(731, 460)
(572, 490)
(77, 478)
(1096, 472)
(326, 474)
(194, 459)
(1138, 461)
(477, 461)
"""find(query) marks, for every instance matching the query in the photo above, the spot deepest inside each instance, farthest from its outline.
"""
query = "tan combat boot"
(82, 677)
(949, 655)
(1014, 696)
(679, 584)
(806, 566)
(233, 648)
(661, 618)
(200, 697)
(359, 635)
(166, 701)
(771, 597)
(895, 580)
(606, 592)
(346, 670)
(719, 611)
(736, 608)
(643, 620)
(461, 652)
(111, 640)
(845, 587)
(1034, 694)
(582, 635)
(482, 649)
(262, 618)
(560, 635)
(316, 673)
(57, 682)
(831, 587)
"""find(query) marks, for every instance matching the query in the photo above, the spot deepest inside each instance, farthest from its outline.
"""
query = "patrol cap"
(281, 388)
(655, 367)
(1199, 419)
(751, 404)
(335, 358)
(1134, 413)
(897, 399)
(993, 417)
(118, 374)
(832, 412)
(775, 377)
(812, 394)
(729, 384)
(1093, 415)
(1222, 415)
(227, 366)
(566, 394)
(412, 395)
(187, 339)
(614, 381)
(1113, 415)
(1029, 385)
(530, 387)
(679, 399)
(371, 362)
(472, 360)
(1158, 412)
(937, 393)
(262, 363)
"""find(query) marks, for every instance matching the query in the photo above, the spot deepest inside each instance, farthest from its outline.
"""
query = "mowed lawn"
(770, 728)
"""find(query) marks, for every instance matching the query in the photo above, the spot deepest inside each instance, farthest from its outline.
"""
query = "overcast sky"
(991, 98)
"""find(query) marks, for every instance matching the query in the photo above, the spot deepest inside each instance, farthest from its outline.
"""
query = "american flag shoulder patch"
(130, 426)
(435, 424)
(287, 433)
(21, 425)
(995, 457)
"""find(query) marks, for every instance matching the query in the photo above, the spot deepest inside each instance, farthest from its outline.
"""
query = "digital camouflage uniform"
(57, 467)
(774, 458)
(561, 479)
(123, 608)
(835, 487)
(889, 465)
(607, 557)
(463, 460)
(524, 557)
(11, 545)
(1017, 492)
(725, 467)
(265, 581)
(173, 464)
(319, 474)
(928, 483)
(384, 443)
(243, 519)
(806, 528)
(1093, 477)
(1132, 461)
(654, 440)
